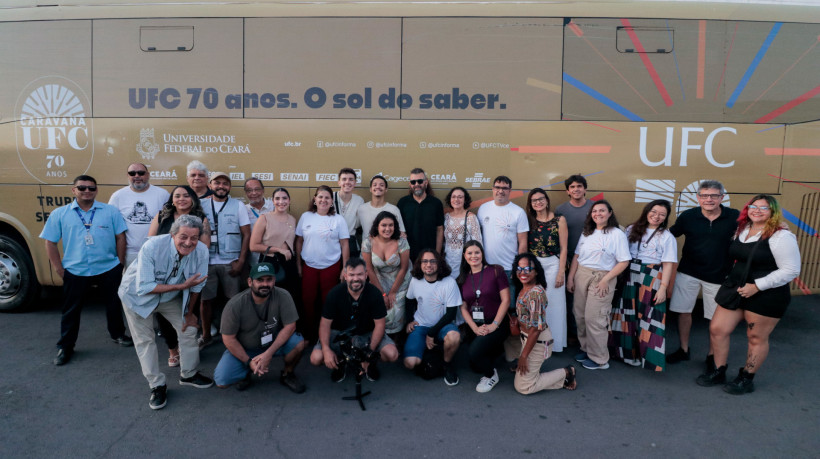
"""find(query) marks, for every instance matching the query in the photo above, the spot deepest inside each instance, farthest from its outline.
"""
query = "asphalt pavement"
(97, 405)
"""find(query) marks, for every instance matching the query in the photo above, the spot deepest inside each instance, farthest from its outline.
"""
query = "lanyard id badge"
(478, 313)
(89, 239)
(267, 334)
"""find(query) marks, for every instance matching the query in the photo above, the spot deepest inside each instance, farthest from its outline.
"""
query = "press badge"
(89, 239)
(267, 334)
(478, 313)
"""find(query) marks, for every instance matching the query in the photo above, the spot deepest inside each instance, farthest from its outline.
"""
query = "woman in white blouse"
(601, 254)
(638, 332)
(460, 226)
(321, 251)
(764, 293)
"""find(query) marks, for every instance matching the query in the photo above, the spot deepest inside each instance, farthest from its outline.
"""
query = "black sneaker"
(743, 384)
(292, 382)
(158, 397)
(124, 341)
(712, 378)
(198, 380)
(678, 356)
(450, 376)
(62, 358)
(338, 375)
(373, 374)
(245, 382)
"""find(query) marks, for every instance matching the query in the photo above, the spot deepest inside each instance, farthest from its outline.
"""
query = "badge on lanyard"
(478, 313)
(267, 334)
(89, 239)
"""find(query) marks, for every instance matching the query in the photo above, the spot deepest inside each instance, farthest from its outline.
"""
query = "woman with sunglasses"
(638, 332)
(387, 256)
(763, 246)
(274, 236)
(183, 201)
(601, 254)
(485, 292)
(537, 341)
(547, 240)
(321, 251)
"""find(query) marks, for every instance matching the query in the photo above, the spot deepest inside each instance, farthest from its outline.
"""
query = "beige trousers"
(535, 381)
(592, 313)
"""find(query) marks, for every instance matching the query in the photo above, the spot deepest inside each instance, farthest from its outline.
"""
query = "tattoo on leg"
(751, 362)
(751, 325)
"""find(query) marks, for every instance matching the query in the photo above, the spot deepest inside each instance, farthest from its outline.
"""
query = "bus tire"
(18, 281)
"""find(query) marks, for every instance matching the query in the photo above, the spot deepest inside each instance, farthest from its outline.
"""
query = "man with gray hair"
(167, 265)
(704, 262)
(197, 175)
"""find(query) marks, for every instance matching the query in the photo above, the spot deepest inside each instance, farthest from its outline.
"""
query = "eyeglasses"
(83, 188)
(501, 188)
(709, 196)
(417, 182)
(754, 207)
(429, 262)
(538, 200)
(524, 269)
(253, 190)
(140, 173)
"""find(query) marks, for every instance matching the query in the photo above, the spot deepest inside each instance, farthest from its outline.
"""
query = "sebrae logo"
(54, 131)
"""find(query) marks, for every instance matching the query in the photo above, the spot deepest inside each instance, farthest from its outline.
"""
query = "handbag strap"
(464, 239)
(749, 261)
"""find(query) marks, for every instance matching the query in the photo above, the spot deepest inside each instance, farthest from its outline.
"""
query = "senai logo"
(54, 134)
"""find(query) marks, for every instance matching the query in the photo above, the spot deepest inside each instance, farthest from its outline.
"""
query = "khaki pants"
(535, 381)
(592, 313)
(142, 331)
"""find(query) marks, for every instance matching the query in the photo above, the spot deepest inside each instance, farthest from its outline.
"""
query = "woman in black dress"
(765, 242)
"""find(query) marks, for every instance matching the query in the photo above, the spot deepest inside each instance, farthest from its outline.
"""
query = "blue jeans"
(230, 369)
(417, 340)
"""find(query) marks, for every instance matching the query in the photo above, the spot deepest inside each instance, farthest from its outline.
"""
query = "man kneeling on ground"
(257, 325)
(359, 306)
(438, 299)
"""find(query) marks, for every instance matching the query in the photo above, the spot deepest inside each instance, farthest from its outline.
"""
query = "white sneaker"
(486, 384)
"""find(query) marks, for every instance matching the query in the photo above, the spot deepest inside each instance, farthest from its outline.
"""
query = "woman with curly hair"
(764, 248)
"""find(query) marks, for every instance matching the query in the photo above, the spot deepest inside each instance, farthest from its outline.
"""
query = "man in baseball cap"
(257, 325)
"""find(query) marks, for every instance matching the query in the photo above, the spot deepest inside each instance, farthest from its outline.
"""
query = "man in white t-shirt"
(257, 205)
(368, 211)
(504, 226)
(347, 205)
(138, 203)
(438, 299)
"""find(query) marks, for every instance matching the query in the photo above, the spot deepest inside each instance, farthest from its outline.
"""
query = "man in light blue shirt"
(167, 265)
(93, 235)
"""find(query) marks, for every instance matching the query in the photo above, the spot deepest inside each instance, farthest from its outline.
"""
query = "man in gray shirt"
(167, 265)
(575, 212)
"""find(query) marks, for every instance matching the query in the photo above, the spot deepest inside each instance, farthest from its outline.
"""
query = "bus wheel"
(18, 281)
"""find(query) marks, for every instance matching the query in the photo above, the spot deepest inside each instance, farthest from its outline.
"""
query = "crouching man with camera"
(357, 306)
(257, 325)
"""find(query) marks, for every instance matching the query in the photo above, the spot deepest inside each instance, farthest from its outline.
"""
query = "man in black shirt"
(357, 305)
(704, 263)
(422, 214)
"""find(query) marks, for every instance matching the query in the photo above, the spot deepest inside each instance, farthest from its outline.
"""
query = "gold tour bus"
(644, 98)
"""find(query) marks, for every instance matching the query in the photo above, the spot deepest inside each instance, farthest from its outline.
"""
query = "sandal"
(569, 381)
(173, 360)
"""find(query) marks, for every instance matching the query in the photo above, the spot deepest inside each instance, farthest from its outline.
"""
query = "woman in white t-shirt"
(638, 334)
(321, 251)
(601, 254)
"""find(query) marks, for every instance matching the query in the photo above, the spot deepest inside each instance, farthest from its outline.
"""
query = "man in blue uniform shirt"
(93, 235)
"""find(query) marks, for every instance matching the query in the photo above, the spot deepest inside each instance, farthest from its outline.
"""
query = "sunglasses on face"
(140, 173)
(83, 188)
(417, 182)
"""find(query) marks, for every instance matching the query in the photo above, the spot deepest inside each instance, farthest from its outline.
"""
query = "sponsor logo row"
(476, 181)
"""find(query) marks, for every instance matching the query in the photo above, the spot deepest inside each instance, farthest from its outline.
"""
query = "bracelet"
(495, 322)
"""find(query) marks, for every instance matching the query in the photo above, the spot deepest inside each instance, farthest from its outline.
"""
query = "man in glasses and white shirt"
(704, 261)
(138, 203)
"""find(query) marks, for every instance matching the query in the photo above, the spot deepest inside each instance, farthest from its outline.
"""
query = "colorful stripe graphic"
(601, 98)
(726, 62)
(753, 65)
(675, 57)
(647, 63)
(783, 74)
(788, 106)
(793, 181)
(778, 151)
(536, 83)
(562, 148)
(770, 128)
(800, 224)
(602, 126)
(701, 57)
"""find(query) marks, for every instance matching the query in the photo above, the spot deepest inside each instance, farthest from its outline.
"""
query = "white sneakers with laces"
(486, 384)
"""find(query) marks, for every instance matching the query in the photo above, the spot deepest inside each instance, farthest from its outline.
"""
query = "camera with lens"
(355, 349)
